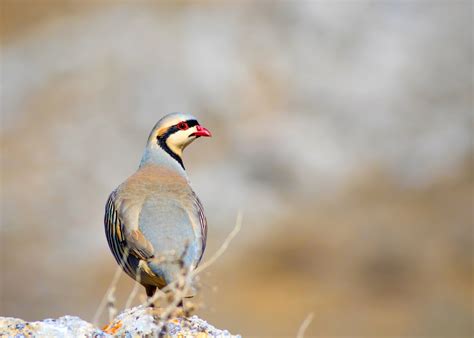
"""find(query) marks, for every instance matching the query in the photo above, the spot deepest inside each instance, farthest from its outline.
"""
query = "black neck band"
(162, 143)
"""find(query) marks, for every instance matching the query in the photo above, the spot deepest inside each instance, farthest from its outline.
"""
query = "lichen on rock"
(134, 322)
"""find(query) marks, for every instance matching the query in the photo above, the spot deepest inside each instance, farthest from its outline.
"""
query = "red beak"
(201, 131)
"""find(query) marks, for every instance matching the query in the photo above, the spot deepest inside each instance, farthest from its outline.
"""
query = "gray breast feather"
(168, 225)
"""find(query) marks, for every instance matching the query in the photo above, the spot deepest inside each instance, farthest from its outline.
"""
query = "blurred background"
(343, 130)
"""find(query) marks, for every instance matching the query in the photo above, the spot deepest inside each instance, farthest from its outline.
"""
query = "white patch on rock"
(137, 321)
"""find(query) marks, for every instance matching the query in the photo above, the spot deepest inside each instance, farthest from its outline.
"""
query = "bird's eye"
(183, 126)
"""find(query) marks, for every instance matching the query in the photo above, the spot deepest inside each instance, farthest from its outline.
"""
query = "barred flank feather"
(117, 244)
(203, 222)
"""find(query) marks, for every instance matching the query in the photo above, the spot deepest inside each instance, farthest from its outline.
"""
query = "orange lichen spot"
(112, 328)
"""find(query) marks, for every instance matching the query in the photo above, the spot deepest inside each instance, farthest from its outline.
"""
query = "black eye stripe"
(192, 123)
(174, 129)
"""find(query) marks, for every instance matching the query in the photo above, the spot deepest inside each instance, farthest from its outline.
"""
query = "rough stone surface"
(135, 322)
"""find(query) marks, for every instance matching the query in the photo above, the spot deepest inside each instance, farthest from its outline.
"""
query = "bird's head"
(174, 132)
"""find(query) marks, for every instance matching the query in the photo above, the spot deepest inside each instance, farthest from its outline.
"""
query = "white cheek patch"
(180, 139)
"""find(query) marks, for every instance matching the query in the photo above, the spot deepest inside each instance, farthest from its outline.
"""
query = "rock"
(67, 326)
(137, 321)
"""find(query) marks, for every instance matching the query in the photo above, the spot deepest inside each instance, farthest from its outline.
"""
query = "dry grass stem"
(134, 292)
(110, 289)
(304, 325)
(112, 309)
(224, 246)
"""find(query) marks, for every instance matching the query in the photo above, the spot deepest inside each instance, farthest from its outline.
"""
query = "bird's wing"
(202, 223)
(124, 239)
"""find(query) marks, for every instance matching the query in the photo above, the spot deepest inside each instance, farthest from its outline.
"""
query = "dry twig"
(134, 292)
(110, 290)
(304, 325)
(224, 246)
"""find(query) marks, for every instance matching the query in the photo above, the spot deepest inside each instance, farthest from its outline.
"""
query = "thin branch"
(177, 298)
(223, 248)
(304, 325)
(110, 289)
(134, 292)
(104, 300)
(112, 309)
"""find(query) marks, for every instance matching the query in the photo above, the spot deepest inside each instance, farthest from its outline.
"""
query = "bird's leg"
(150, 291)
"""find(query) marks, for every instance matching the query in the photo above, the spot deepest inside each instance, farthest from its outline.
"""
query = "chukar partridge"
(154, 222)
